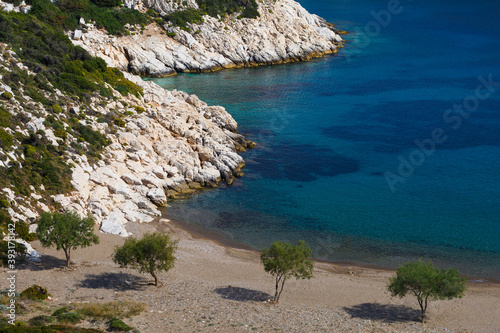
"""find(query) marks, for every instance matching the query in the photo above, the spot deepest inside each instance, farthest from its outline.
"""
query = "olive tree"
(426, 282)
(283, 260)
(150, 254)
(66, 231)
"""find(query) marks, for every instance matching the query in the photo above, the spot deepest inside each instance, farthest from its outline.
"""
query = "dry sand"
(219, 288)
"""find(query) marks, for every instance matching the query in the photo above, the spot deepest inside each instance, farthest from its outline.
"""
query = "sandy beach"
(218, 288)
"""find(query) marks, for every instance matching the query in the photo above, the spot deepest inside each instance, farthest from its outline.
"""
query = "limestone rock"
(114, 224)
(77, 34)
(157, 196)
(131, 179)
(284, 32)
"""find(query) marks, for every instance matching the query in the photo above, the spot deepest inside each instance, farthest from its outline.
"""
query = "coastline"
(284, 32)
(337, 266)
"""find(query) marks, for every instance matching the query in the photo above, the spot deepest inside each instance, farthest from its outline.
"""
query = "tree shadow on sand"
(47, 262)
(242, 294)
(120, 281)
(383, 312)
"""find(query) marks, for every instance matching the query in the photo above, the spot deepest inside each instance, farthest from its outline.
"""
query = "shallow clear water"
(332, 132)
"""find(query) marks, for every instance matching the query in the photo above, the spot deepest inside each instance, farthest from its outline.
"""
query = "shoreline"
(222, 240)
(218, 288)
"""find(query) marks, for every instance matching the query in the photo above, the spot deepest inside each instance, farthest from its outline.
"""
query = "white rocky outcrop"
(284, 32)
(178, 144)
(169, 144)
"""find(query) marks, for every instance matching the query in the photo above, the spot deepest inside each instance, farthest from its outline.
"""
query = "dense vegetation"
(45, 50)
(48, 69)
(103, 12)
(248, 8)
(64, 318)
(58, 65)
(214, 8)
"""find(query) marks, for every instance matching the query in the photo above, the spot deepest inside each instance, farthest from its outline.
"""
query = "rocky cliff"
(166, 144)
(179, 144)
(284, 32)
(100, 142)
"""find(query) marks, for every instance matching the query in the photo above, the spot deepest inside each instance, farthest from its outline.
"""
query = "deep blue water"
(332, 133)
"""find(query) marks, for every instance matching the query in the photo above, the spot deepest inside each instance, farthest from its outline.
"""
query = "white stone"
(30, 252)
(157, 196)
(77, 34)
(32, 228)
(131, 179)
(114, 224)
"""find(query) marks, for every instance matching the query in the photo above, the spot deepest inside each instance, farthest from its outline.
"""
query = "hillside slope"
(284, 32)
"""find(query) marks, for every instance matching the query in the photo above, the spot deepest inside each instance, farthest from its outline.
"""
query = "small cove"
(328, 131)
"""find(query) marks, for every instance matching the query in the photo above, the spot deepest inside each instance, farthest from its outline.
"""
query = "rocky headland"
(160, 144)
(284, 32)
(171, 144)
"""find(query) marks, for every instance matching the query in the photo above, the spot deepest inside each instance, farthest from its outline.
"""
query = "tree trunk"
(281, 290)
(423, 308)
(67, 253)
(276, 297)
(155, 277)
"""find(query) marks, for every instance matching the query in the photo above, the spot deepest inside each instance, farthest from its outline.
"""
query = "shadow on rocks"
(383, 312)
(242, 294)
(120, 281)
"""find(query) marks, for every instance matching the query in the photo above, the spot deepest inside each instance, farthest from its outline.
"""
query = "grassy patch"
(103, 12)
(116, 325)
(248, 8)
(214, 8)
(47, 329)
(109, 310)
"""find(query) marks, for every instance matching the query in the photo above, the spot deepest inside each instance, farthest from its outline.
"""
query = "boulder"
(114, 224)
(131, 179)
(77, 34)
(157, 196)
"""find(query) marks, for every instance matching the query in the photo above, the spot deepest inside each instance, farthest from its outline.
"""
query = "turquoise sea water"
(331, 132)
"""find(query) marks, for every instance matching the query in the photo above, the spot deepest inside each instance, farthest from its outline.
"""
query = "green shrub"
(106, 3)
(22, 230)
(120, 122)
(42, 165)
(6, 139)
(6, 95)
(139, 109)
(60, 311)
(41, 320)
(116, 325)
(69, 318)
(35, 293)
(61, 133)
(4, 203)
(182, 17)
(110, 309)
(67, 5)
(56, 108)
(4, 254)
(48, 329)
(248, 8)
(5, 117)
